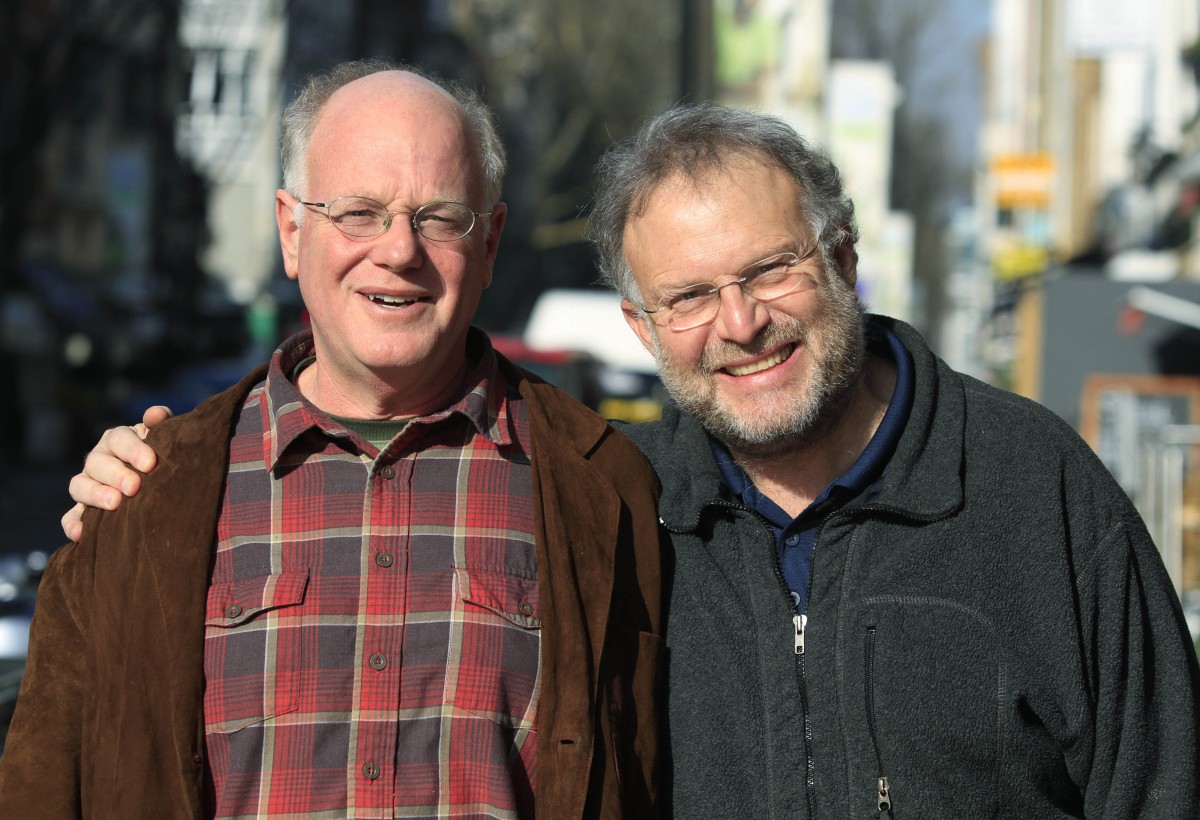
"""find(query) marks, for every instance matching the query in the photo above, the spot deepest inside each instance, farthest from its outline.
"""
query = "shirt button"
(388, 472)
(792, 540)
(378, 661)
(384, 559)
(525, 607)
(233, 610)
(370, 770)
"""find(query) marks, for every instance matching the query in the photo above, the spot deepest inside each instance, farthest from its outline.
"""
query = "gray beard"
(834, 341)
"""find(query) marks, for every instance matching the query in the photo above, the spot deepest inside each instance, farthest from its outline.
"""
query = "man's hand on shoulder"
(113, 469)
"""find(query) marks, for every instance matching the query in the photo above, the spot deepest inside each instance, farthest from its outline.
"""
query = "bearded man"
(897, 591)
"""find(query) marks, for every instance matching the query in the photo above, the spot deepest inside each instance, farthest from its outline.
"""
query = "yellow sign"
(630, 409)
(1018, 261)
(1023, 180)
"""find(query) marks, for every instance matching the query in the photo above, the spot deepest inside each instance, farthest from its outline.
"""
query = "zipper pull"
(884, 796)
(800, 621)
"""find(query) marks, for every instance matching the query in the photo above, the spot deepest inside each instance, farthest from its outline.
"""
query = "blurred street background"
(1026, 175)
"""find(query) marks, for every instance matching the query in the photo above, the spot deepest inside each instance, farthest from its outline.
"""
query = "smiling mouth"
(778, 357)
(391, 301)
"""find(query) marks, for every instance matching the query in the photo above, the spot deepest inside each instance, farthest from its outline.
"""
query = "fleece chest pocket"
(498, 646)
(928, 708)
(253, 649)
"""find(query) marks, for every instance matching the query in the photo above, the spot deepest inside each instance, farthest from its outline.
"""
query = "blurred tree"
(567, 78)
(48, 51)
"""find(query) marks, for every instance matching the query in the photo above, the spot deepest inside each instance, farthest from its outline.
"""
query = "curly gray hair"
(691, 141)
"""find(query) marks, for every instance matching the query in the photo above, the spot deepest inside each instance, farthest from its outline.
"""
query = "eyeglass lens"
(364, 217)
(766, 281)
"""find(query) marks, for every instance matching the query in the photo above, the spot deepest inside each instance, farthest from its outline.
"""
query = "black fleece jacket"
(994, 634)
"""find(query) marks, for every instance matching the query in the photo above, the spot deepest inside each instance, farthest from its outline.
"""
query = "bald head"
(354, 88)
(415, 121)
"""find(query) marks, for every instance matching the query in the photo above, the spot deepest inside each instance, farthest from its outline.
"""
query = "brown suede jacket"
(109, 719)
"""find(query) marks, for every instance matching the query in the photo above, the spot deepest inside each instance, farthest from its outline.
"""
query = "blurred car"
(1191, 612)
(612, 392)
(576, 374)
(19, 577)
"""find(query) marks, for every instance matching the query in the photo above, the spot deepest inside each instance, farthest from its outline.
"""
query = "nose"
(398, 247)
(740, 318)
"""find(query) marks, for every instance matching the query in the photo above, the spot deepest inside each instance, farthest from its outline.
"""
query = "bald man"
(388, 573)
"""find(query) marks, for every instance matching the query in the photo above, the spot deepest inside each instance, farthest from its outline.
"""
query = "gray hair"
(692, 141)
(300, 117)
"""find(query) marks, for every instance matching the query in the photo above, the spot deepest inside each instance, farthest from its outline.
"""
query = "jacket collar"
(677, 448)
(573, 426)
(924, 476)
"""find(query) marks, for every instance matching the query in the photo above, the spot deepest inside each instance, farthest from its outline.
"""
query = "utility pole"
(696, 50)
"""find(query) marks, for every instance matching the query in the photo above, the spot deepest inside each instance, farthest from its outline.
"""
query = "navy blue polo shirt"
(795, 537)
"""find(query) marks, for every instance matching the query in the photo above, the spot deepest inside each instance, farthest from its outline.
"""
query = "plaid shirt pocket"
(499, 646)
(252, 651)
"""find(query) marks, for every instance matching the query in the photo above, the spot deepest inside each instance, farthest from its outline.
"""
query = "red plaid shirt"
(372, 634)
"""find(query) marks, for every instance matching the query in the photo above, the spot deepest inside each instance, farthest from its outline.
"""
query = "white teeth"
(761, 364)
(390, 301)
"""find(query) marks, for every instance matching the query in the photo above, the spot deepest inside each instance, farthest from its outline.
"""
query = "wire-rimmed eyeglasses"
(768, 279)
(361, 217)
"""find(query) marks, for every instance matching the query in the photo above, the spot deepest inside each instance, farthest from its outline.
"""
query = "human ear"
(845, 256)
(638, 323)
(289, 232)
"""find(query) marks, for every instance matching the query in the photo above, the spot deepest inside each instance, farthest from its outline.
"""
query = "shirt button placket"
(385, 559)
(377, 741)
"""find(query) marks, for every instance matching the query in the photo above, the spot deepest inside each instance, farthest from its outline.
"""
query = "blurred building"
(228, 127)
(774, 56)
(100, 221)
(1087, 200)
(1085, 101)
(860, 122)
